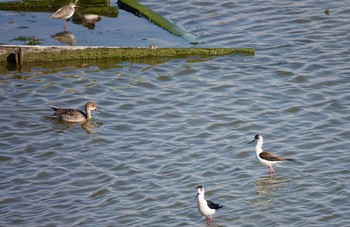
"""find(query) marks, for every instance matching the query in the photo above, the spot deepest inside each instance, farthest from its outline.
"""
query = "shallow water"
(123, 30)
(167, 126)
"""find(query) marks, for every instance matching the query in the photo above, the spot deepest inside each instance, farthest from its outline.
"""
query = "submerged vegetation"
(28, 40)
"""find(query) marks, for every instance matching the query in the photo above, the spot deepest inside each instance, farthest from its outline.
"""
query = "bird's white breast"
(203, 207)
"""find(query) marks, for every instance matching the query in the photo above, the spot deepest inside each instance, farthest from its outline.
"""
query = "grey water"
(167, 125)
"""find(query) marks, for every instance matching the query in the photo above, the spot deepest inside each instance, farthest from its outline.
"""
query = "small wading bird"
(264, 157)
(73, 115)
(205, 207)
(65, 13)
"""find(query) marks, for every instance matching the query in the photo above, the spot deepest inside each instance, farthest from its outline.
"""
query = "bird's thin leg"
(271, 170)
(64, 25)
(211, 219)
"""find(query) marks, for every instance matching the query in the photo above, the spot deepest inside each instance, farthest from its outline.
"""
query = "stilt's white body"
(259, 150)
(205, 207)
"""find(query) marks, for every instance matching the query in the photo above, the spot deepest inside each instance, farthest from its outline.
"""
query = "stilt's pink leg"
(211, 219)
(271, 170)
(64, 25)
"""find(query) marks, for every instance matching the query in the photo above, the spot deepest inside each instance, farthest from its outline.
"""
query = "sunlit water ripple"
(166, 127)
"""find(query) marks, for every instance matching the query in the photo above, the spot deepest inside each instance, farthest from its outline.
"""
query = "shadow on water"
(90, 125)
(265, 188)
(102, 64)
(65, 37)
(86, 20)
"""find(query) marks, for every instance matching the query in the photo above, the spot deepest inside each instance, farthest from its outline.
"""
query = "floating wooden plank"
(21, 54)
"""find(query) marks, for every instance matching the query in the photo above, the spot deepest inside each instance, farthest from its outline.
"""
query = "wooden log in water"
(22, 54)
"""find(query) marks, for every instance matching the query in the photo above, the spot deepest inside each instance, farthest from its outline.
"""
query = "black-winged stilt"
(206, 207)
(264, 157)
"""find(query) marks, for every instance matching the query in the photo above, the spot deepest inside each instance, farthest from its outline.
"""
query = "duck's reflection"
(88, 125)
(65, 37)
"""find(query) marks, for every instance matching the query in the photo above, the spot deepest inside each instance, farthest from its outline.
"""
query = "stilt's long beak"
(251, 141)
(196, 196)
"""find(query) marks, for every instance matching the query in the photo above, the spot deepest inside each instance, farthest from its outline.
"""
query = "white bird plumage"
(206, 207)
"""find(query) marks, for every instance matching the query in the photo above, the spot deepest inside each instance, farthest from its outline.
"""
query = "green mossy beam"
(66, 53)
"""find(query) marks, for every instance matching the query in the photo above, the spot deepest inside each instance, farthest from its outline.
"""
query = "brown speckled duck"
(73, 115)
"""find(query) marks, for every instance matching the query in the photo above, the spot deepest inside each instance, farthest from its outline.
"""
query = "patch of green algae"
(128, 53)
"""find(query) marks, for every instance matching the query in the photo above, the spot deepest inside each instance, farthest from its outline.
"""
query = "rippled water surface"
(168, 125)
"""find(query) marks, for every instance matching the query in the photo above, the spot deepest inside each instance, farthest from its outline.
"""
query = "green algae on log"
(27, 54)
(141, 10)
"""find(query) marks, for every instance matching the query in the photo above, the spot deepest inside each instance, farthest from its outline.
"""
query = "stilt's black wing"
(212, 205)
